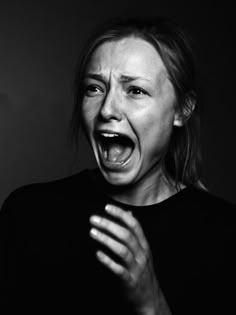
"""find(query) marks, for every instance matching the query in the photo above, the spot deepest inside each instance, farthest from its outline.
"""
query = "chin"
(118, 178)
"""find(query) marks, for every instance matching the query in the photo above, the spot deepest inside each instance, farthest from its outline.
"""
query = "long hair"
(182, 160)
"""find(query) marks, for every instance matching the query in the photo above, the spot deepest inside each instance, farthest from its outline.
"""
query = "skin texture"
(127, 91)
(137, 274)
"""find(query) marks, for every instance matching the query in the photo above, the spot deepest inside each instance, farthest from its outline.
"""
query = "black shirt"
(48, 258)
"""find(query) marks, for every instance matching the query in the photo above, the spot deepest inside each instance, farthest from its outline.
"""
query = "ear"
(183, 114)
(178, 120)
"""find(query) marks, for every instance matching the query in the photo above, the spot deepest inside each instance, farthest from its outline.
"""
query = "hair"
(183, 157)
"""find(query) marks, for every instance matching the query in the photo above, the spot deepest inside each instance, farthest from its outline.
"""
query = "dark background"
(39, 44)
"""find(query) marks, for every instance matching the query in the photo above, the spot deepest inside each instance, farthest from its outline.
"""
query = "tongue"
(117, 153)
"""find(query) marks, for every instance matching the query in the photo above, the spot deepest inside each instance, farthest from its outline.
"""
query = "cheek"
(89, 113)
(155, 129)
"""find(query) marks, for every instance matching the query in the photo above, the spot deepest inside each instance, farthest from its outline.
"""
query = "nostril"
(110, 112)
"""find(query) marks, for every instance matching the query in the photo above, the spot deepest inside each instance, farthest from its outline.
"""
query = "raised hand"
(136, 270)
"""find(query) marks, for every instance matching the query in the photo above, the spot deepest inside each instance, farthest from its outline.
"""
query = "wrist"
(160, 307)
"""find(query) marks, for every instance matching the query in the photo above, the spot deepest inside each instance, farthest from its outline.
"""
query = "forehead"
(131, 56)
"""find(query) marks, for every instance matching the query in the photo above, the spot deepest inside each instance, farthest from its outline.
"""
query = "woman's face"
(128, 109)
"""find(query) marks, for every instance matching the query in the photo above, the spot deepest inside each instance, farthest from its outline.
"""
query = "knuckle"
(102, 223)
(127, 236)
(121, 272)
(105, 222)
(146, 248)
(103, 237)
(118, 211)
(124, 252)
(134, 224)
(132, 282)
(144, 260)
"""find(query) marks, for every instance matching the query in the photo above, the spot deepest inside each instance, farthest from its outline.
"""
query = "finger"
(119, 249)
(130, 221)
(112, 265)
(121, 233)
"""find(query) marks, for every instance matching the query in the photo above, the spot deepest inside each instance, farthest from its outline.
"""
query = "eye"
(136, 91)
(92, 90)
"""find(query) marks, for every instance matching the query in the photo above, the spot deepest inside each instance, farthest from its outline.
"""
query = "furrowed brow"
(127, 78)
(95, 76)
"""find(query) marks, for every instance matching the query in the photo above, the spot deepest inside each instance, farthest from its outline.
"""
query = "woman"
(138, 235)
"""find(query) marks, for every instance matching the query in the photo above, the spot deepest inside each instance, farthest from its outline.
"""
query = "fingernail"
(100, 255)
(93, 232)
(109, 208)
(95, 219)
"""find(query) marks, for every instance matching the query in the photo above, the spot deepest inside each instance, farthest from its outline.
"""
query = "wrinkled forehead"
(130, 56)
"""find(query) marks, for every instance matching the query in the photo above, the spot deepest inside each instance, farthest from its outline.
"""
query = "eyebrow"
(123, 78)
(95, 76)
(127, 78)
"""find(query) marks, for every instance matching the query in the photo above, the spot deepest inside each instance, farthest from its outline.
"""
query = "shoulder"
(47, 193)
(208, 212)
(203, 211)
(204, 200)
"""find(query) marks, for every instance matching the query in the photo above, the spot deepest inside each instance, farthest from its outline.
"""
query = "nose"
(110, 109)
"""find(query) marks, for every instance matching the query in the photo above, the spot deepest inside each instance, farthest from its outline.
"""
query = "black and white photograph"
(118, 157)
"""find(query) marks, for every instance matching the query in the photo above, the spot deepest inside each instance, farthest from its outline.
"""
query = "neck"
(150, 189)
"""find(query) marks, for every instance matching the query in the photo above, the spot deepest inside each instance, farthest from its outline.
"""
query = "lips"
(115, 148)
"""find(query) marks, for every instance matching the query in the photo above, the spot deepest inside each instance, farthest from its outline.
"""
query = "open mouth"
(114, 148)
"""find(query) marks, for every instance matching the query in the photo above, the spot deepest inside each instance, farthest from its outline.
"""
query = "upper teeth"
(110, 135)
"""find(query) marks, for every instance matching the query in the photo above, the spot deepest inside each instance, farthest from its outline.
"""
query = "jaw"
(122, 178)
(135, 188)
(116, 159)
(116, 173)
(115, 153)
